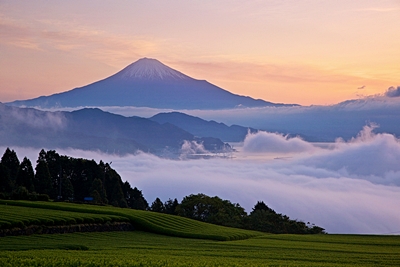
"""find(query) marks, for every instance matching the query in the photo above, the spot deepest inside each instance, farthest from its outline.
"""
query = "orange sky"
(305, 52)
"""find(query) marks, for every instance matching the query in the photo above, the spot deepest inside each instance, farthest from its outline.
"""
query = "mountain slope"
(203, 128)
(147, 83)
(93, 129)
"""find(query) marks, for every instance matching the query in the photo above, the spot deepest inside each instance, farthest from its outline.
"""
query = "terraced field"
(16, 216)
(33, 213)
(157, 241)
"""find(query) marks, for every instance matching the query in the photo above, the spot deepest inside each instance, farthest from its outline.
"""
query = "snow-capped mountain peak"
(150, 69)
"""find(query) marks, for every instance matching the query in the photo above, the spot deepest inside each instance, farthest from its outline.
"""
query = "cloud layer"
(349, 187)
(274, 142)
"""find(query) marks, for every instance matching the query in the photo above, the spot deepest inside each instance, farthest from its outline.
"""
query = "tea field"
(139, 248)
(165, 240)
(33, 213)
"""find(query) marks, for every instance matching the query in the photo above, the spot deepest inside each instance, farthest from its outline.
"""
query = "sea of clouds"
(348, 186)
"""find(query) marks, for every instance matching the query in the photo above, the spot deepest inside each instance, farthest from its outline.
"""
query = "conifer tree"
(97, 186)
(157, 206)
(42, 181)
(5, 182)
(11, 162)
(25, 175)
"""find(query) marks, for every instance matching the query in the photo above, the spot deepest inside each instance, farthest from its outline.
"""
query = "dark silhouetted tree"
(42, 181)
(96, 197)
(67, 189)
(5, 181)
(170, 206)
(11, 162)
(263, 218)
(117, 197)
(26, 175)
(97, 186)
(139, 202)
(157, 206)
(134, 197)
(53, 161)
(212, 210)
(262, 206)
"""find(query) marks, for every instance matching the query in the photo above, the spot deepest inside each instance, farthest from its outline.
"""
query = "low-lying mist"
(345, 187)
(313, 123)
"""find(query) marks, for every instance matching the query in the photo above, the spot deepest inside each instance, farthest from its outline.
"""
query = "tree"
(212, 210)
(96, 197)
(5, 181)
(42, 181)
(139, 202)
(25, 175)
(114, 186)
(97, 186)
(157, 206)
(11, 162)
(262, 206)
(53, 161)
(134, 197)
(67, 189)
(170, 206)
(265, 219)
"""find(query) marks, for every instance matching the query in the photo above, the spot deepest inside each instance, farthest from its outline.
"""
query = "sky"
(305, 52)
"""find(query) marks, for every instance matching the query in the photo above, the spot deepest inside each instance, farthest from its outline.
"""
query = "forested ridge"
(63, 178)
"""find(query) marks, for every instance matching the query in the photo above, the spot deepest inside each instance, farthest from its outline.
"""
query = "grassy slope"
(140, 248)
(147, 249)
(40, 212)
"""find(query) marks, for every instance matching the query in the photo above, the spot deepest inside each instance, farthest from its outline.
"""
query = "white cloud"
(191, 148)
(353, 187)
(274, 142)
(373, 157)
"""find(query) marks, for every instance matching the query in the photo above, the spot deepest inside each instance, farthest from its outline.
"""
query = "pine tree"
(5, 182)
(67, 190)
(139, 202)
(157, 206)
(11, 162)
(25, 175)
(117, 197)
(170, 206)
(97, 186)
(42, 181)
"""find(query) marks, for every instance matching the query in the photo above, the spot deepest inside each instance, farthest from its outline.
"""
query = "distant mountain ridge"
(147, 83)
(94, 129)
(203, 128)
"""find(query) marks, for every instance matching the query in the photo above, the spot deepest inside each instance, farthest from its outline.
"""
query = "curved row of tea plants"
(144, 220)
(15, 216)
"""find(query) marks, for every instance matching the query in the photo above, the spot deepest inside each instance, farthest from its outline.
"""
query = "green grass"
(29, 213)
(147, 249)
(204, 244)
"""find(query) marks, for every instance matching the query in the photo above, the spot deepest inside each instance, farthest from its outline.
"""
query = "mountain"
(147, 83)
(94, 129)
(203, 128)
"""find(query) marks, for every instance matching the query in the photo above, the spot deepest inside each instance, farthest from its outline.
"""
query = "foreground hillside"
(156, 240)
(23, 214)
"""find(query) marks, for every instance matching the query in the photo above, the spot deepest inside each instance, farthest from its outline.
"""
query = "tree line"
(64, 178)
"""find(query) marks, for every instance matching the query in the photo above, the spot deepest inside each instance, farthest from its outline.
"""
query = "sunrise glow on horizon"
(308, 52)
